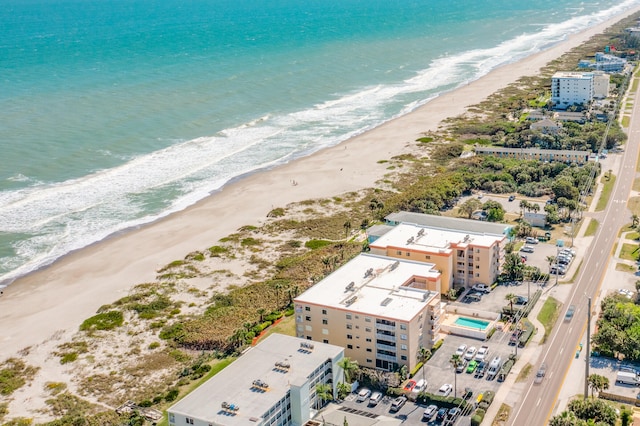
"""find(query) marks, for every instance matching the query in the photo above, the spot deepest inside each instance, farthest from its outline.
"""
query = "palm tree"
(261, 312)
(524, 205)
(598, 383)
(511, 298)
(238, 337)
(423, 355)
(550, 260)
(324, 393)
(635, 219)
(455, 362)
(348, 369)
(566, 418)
(347, 228)
(535, 208)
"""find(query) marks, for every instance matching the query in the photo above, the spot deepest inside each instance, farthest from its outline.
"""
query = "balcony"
(385, 327)
(386, 347)
(386, 337)
(386, 357)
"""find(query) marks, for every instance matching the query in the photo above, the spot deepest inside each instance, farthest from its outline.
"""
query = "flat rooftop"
(375, 285)
(233, 384)
(572, 74)
(434, 240)
(450, 223)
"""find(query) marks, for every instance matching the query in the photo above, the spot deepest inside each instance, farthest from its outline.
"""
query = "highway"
(537, 405)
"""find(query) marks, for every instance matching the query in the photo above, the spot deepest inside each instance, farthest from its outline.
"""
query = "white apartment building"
(569, 88)
(380, 309)
(273, 383)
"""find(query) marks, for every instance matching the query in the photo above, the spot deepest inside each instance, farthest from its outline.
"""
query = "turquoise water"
(471, 323)
(118, 112)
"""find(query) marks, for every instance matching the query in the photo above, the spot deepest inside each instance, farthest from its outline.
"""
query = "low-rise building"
(550, 155)
(273, 383)
(464, 258)
(380, 309)
(546, 126)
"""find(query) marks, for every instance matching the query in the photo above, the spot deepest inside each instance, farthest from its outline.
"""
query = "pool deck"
(449, 324)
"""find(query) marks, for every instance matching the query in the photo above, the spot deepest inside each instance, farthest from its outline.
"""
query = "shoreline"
(58, 297)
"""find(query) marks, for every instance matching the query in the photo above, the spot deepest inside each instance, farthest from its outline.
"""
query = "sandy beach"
(57, 299)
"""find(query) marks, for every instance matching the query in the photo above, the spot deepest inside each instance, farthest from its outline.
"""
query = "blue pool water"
(472, 323)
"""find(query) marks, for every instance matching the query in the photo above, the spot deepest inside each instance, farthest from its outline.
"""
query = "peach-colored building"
(380, 309)
(463, 258)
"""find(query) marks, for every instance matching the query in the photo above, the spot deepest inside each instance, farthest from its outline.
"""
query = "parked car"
(461, 365)
(521, 300)
(376, 397)
(420, 386)
(569, 314)
(540, 374)
(482, 353)
(470, 353)
(473, 364)
(410, 385)
(480, 369)
(482, 288)
(445, 390)
(429, 412)
(363, 394)
(453, 414)
(494, 367)
(531, 240)
(441, 415)
(461, 350)
(512, 197)
(527, 249)
(398, 403)
(515, 337)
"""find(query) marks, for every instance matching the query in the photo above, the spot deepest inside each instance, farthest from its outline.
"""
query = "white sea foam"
(61, 217)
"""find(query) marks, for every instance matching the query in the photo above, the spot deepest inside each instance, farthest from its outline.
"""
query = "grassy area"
(286, 326)
(626, 120)
(633, 235)
(548, 316)
(634, 85)
(575, 274)
(591, 228)
(608, 181)
(524, 373)
(629, 251)
(502, 416)
(625, 268)
(636, 185)
(634, 205)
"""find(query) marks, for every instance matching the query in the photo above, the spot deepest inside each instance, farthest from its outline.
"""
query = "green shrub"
(277, 212)
(425, 139)
(249, 241)
(173, 332)
(217, 251)
(289, 312)
(154, 345)
(478, 417)
(488, 396)
(490, 333)
(104, 321)
(415, 369)
(394, 392)
(171, 395)
(437, 345)
(68, 357)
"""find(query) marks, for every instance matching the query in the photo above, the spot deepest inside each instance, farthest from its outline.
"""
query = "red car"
(410, 385)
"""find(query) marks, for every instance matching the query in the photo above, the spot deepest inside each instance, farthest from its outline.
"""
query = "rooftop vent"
(467, 238)
(386, 301)
(350, 286)
(410, 240)
(259, 384)
(421, 232)
(395, 265)
(306, 346)
(350, 300)
(284, 366)
(368, 273)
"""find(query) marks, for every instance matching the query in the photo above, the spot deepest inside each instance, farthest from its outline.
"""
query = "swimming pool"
(471, 323)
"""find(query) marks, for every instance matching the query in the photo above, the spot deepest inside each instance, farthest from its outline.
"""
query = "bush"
(443, 401)
(415, 369)
(437, 345)
(488, 396)
(104, 321)
(289, 312)
(490, 333)
(478, 417)
(316, 244)
(171, 395)
(394, 392)
(69, 357)
(154, 345)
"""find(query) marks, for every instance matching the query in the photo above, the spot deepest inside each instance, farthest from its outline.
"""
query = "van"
(628, 378)
(494, 367)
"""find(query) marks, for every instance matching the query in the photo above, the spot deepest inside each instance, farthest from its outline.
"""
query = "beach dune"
(58, 298)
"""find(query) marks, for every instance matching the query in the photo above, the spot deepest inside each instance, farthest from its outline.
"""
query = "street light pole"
(588, 348)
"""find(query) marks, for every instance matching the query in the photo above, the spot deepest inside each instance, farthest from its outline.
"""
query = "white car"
(375, 398)
(527, 249)
(482, 288)
(445, 390)
(470, 353)
(363, 395)
(461, 350)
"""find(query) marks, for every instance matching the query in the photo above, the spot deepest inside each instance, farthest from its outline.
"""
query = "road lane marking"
(539, 401)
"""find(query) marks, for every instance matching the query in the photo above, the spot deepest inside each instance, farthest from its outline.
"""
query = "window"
(369, 350)
(308, 318)
(349, 337)
(403, 347)
(348, 316)
(403, 357)
(307, 308)
(325, 341)
(369, 361)
(368, 339)
(428, 257)
(408, 254)
(325, 322)
(308, 328)
(349, 326)
(399, 252)
(403, 326)
(349, 346)
(367, 329)
(172, 418)
(188, 420)
(324, 312)
(367, 319)
(403, 337)
(325, 331)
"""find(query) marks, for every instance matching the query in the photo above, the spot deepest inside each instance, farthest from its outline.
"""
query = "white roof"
(434, 240)
(233, 384)
(572, 74)
(381, 287)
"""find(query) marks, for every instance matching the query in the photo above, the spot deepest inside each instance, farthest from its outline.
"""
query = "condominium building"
(550, 155)
(381, 310)
(463, 258)
(569, 88)
(274, 383)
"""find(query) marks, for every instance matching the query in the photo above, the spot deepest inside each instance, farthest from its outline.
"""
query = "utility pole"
(588, 348)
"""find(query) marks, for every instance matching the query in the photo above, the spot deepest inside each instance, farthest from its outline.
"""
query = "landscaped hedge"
(443, 401)
(478, 417)
(437, 345)
(490, 333)
(415, 369)
(394, 392)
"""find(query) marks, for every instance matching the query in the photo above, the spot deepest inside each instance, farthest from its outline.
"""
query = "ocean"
(115, 113)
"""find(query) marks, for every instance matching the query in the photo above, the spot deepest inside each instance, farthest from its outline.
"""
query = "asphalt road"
(537, 405)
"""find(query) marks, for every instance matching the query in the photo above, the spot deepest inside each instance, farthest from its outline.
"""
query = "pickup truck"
(482, 353)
